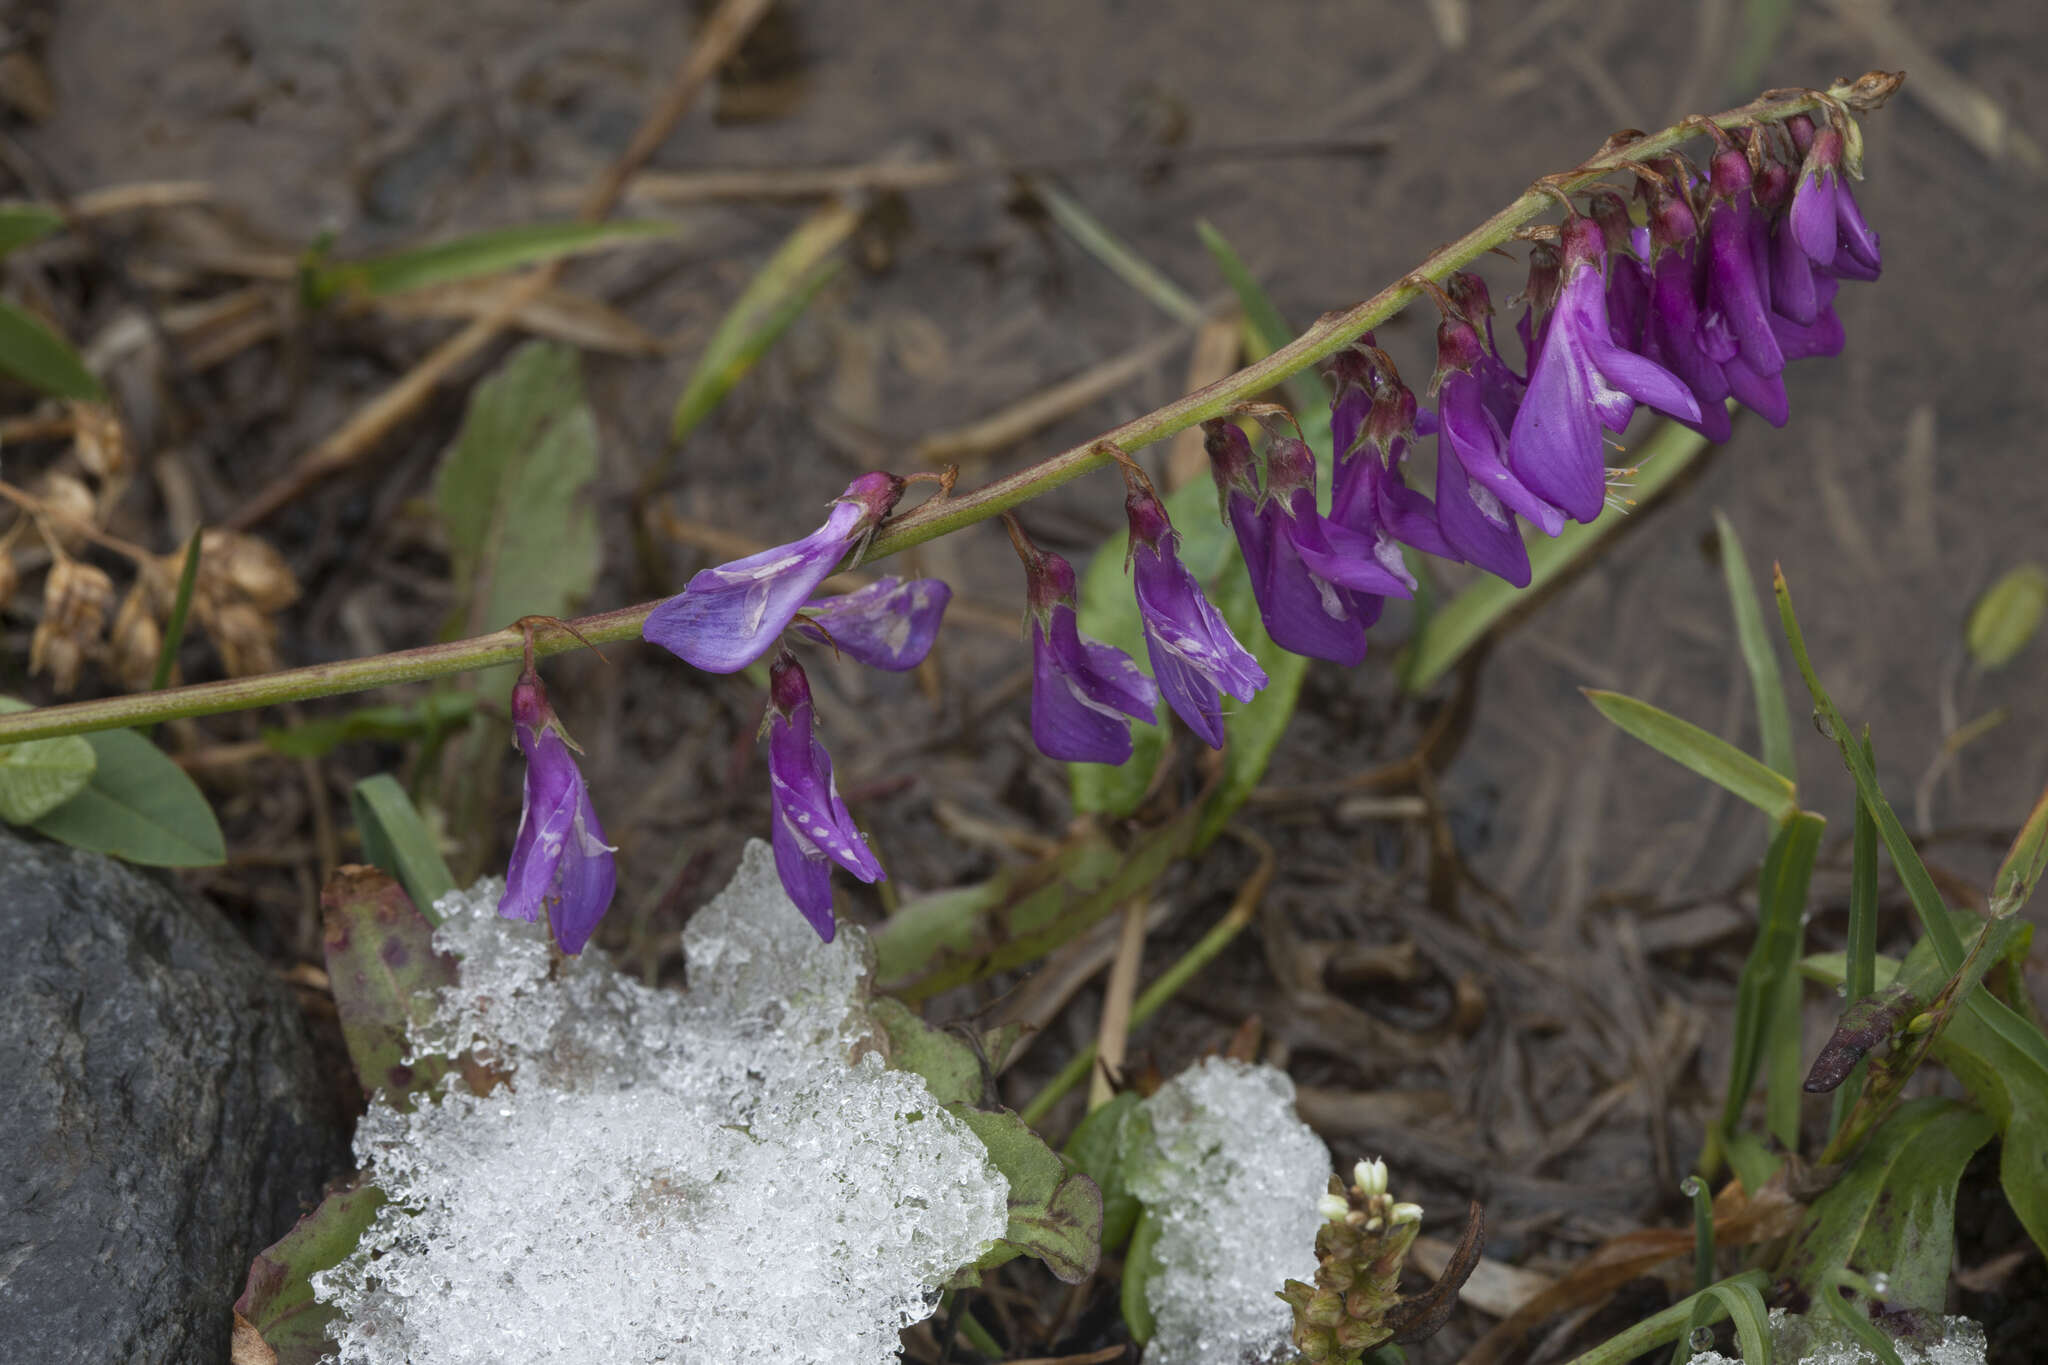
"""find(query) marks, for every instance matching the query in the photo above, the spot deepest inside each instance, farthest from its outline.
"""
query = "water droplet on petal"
(1701, 1339)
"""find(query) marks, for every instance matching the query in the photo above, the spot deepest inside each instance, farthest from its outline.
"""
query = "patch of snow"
(722, 1174)
(1817, 1340)
(1235, 1191)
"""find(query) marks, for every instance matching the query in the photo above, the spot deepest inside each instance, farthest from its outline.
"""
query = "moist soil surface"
(1513, 976)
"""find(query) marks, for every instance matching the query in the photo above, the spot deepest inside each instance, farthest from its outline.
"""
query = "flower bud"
(98, 440)
(1404, 1213)
(1332, 1207)
(75, 601)
(70, 505)
(1370, 1177)
(135, 640)
(232, 563)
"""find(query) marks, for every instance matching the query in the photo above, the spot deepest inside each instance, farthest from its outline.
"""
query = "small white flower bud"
(1404, 1213)
(1370, 1177)
(1333, 1207)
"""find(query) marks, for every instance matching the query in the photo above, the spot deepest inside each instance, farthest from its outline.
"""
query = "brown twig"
(371, 423)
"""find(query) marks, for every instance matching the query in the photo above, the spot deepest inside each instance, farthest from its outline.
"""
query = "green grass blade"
(1105, 246)
(774, 298)
(396, 839)
(1708, 755)
(1760, 1026)
(1759, 654)
(468, 257)
(1920, 889)
(38, 357)
(1860, 952)
(1266, 330)
(181, 607)
(1461, 622)
(1738, 1294)
(2024, 862)
(22, 222)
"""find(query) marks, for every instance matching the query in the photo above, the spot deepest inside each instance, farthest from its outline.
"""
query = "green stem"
(939, 516)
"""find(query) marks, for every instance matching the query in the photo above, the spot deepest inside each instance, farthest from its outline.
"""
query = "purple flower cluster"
(1730, 276)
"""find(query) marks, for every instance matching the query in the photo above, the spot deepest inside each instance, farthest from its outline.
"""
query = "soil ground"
(1553, 1045)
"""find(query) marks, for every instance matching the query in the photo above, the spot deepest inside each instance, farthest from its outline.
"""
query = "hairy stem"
(942, 515)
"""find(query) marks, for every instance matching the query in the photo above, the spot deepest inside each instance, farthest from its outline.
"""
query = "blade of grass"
(181, 607)
(776, 297)
(1707, 754)
(2024, 862)
(1781, 901)
(1730, 1296)
(1265, 329)
(478, 253)
(1460, 623)
(1927, 903)
(1105, 246)
(1860, 950)
(1759, 655)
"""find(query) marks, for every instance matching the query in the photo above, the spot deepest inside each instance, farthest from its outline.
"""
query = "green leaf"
(138, 805)
(1739, 1297)
(423, 719)
(1097, 1145)
(1893, 1210)
(1764, 1027)
(1759, 655)
(2024, 863)
(1860, 948)
(1489, 602)
(513, 492)
(385, 973)
(278, 1298)
(1141, 1263)
(1708, 755)
(396, 839)
(1055, 1210)
(2007, 616)
(2004, 1076)
(480, 253)
(775, 298)
(954, 1070)
(38, 357)
(22, 222)
(39, 775)
(940, 942)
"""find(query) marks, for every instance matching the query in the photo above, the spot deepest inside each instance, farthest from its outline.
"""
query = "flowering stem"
(945, 514)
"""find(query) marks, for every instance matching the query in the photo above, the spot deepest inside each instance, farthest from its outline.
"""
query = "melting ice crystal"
(697, 1176)
(1234, 1191)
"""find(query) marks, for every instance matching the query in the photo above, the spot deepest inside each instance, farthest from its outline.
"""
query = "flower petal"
(1084, 694)
(890, 624)
(730, 615)
(806, 876)
(1554, 447)
(1474, 521)
(1473, 438)
(806, 796)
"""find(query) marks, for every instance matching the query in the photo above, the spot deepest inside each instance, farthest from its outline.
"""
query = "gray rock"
(161, 1118)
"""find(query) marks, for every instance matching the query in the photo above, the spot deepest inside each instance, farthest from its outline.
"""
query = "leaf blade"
(1707, 754)
(38, 357)
(139, 806)
(477, 253)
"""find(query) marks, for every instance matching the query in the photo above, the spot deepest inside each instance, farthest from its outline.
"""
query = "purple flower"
(1736, 322)
(1194, 655)
(1368, 496)
(1084, 694)
(1580, 381)
(729, 616)
(811, 829)
(1824, 219)
(890, 624)
(560, 861)
(1477, 495)
(1305, 611)
(1671, 336)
